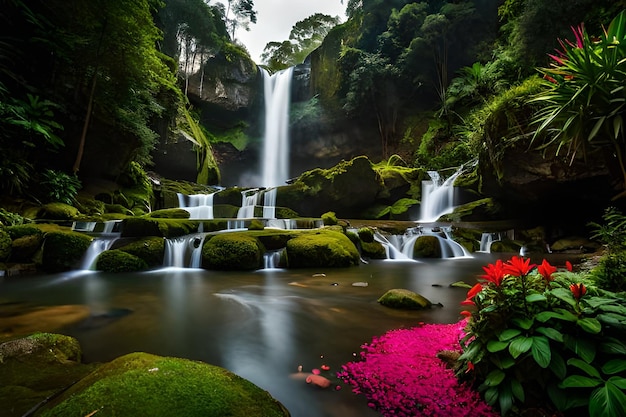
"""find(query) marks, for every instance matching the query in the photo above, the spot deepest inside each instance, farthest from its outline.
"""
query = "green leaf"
(522, 323)
(590, 325)
(519, 345)
(618, 381)
(496, 346)
(533, 298)
(509, 334)
(494, 378)
(541, 351)
(518, 390)
(607, 400)
(614, 366)
(579, 381)
(613, 346)
(557, 366)
(585, 367)
(491, 396)
(564, 295)
(551, 333)
(584, 348)
(505, 399)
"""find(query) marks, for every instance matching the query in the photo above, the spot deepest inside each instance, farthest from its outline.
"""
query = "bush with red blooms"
(543, 337)
(401, 375)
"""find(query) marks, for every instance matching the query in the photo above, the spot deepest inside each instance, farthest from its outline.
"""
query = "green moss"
(90, 206)
(232, 251)
(404, 299)
(329, 218)
(321, 248)
(116, 260)
(366, 234)
(58, 211)
(505, 245)
(171, 213)
(24, 248)
(373, 250)
(256, 225)
(118, 209)
(477, 210)
(62, 251)
(150, 250)
(5, 245)
(35, 367)
(427, 247)
(143, 226)
(140, 384)
(23, 230)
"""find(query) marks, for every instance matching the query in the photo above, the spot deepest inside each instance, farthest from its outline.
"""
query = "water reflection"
(260, 325)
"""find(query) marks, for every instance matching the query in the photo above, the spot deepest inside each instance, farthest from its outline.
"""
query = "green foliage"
(439, 149)
(541, 336)
(8, 218)
(205, 160)
(585, 96)
(59, 187)
(305, 36)
(610, 273)
(34, 117)
(5, 245)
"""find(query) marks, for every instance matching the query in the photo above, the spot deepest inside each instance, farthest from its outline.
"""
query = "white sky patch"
(275, 18)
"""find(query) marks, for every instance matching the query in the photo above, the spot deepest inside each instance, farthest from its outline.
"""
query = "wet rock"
(404, 299)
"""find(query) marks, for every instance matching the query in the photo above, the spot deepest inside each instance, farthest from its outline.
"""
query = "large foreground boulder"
(141, 384)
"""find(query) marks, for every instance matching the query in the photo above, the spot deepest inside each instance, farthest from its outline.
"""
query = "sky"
(275, 18)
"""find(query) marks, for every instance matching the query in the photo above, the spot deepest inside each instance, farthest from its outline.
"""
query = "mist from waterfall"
(275, 156)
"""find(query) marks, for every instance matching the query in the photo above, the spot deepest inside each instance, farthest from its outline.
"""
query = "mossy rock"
(58, 211)
(321, 249)
(373, 250)
(232, 251)
(23, 230)
(366, 234)
(478, 210)
(24, 248)
(35, 367)
(505, 246)
(256, 224)
(286, 213)
(62, 251)
(171, 213)
(150, 249)
(274, 239)
(141, 384)
(427, 247)
(225, 211)
(143, 227)
(5, 245)
(329, 218)
(404, 299)
(574, 243)
(116, 260)
(90, 206)
(118, 208)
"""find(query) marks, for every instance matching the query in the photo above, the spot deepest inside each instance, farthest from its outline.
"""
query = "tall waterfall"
(275, 161)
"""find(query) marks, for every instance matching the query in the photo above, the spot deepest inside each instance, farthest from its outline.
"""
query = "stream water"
(261, 325)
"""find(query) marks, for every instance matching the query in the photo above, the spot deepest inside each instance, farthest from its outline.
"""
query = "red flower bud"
(578, 290)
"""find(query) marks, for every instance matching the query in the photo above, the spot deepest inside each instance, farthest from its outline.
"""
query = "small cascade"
(402, 246)
(97, 246)
(249, 201)
(111, 227)
(393, 251)
(269, 203)
(487, 239)
(271, 259)
(199, 206)
(438, 196)
(184, 251)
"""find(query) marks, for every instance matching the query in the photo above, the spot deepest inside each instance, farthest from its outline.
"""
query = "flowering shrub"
(545, 337)
(401, 375)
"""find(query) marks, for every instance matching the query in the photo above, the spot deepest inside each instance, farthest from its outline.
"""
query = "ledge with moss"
(232, 251)
(322, 248)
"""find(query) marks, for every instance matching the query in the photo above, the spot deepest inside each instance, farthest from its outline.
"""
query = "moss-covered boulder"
(35, 367)
(150, 249)
(171, 213)
(116, 260)
(62, 251)
(404, 299)
(427, 247)
(323, 248)
(232, 251)
(5, 245)
(373, 250)
(24, 248)
(144, 226)
(505, 245)
(140, 384)
(483, 209)
(58, 211)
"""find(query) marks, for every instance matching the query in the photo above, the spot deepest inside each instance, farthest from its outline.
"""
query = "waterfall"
(249, 200)
(199, 206)
(487, 239)
(184, 251)
(393, 250)
(275, 161)
(437, 196)
(271, 259)
(269, 204)
(97, 246)
(400, 247)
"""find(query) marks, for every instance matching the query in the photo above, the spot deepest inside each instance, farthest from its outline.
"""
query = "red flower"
(578, 290)
(494, 273)
(518, 266)
(474, 290)
(568, 266)
(551, 79)
(468, 302)
(470, 367)
(546, 270)
(466, 313)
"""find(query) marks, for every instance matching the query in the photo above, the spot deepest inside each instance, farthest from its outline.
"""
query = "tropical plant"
(59, 187)
(585, 96)
(610, 273)
(540, 336)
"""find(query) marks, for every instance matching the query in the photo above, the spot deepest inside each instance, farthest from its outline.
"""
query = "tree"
(585, 97)
(305, 36)
(243, 15)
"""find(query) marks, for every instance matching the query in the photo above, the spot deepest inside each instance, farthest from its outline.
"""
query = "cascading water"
(97, 246)
(249, 200)
(401, 247)
(275, 161)
(184, 251)
(199, 206)
(437, 196)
